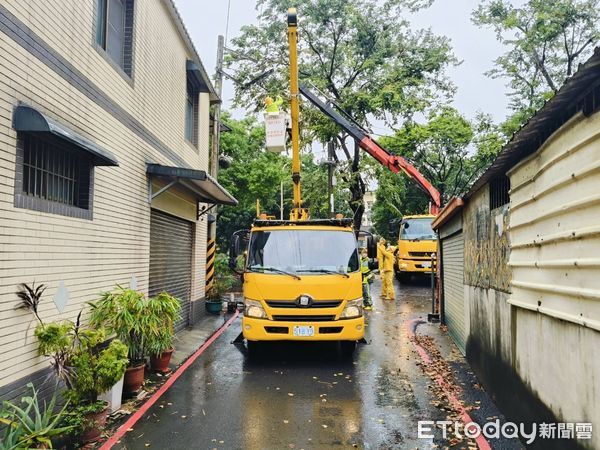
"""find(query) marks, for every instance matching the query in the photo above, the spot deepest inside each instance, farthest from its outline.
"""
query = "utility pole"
(211, 245)
(330, 167)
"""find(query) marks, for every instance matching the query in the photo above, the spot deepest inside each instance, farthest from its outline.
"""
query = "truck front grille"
(303, 318)
(420, 254)
(292, 304)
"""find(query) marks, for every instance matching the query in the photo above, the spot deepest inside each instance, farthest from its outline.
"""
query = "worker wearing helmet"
(388, 272)
(366, 279)
(272, 106)
(380, 247)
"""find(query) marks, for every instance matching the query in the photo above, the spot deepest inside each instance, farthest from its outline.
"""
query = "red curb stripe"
(481, 441)
(152, 400)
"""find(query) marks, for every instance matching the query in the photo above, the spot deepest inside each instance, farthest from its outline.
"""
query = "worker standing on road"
(388, 273)
(380, 249)
(272, 106)
(366, 279)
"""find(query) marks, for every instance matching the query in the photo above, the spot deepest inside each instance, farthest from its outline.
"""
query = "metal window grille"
(499, 188)
(52, 173)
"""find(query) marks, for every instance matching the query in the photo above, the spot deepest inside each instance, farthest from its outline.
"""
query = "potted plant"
(89, 366)
(222, 283)
(34, 425)
(125, 313)
(160, 345)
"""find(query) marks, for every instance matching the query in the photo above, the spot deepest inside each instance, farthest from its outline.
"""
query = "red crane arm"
(393, 162)
(398, 164)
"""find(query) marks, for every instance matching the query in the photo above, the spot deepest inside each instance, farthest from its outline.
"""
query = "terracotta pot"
(161, 363)
(94, 425)
(134, 377)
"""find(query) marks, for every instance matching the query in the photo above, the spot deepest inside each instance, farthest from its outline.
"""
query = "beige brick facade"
(90, 256)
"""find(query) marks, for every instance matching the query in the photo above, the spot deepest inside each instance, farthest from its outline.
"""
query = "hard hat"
(268, 101)
(383, 241)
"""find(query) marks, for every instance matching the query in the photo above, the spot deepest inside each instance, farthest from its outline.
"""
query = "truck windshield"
(417, 229)
(303, 251)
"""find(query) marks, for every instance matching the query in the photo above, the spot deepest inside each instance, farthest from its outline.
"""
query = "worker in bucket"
(387, 269)
(272, 106)
(366, 279)
(380, 247)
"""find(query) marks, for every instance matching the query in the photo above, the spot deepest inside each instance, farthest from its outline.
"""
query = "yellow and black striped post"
(211, 253)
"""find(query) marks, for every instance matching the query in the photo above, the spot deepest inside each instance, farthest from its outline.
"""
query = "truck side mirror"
(234, 251)
(371, 247)
(394, 227)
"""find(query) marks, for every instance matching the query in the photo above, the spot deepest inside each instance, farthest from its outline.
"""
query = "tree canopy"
(546, 40)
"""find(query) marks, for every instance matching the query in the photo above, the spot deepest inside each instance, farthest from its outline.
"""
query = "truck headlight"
(353, 309)
(252, 308)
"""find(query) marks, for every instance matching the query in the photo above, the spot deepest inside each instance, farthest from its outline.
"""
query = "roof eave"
(214, 97)
(448, 212)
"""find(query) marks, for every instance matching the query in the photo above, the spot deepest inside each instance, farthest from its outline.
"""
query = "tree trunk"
(357, 189)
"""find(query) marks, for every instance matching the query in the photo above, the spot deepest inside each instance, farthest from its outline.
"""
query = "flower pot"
(94, 424)
(161, 363)
(113, 396)
(213, 306)
(134, 377)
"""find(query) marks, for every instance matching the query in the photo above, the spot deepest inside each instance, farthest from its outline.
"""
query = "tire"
(347, 348)
(403, 277)
(254, 348)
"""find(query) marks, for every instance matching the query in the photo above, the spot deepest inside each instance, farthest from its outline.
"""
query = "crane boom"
(394, 163)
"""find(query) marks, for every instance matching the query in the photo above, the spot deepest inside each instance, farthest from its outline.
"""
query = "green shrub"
(224, 278)
(166, 308)
(81, 358)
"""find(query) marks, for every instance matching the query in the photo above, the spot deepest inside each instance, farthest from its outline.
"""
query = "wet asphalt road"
(301, 396)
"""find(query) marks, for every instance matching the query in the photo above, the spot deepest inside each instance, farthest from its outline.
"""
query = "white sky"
(477, 48)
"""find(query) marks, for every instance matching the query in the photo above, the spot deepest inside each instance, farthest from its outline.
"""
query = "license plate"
(426, 265)
(304, 330)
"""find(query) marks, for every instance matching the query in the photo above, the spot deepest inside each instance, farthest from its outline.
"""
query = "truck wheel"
(403, 277)
(348, 348)
(253, 348)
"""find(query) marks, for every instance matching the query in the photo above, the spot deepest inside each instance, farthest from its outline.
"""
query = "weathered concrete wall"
(486, 243)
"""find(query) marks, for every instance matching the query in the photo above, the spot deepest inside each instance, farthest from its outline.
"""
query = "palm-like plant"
(126, 314)
(30, 297)
(166, 308)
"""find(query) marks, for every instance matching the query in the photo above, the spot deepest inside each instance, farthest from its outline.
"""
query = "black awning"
(30, 120)
(200, 80)
(205, 187)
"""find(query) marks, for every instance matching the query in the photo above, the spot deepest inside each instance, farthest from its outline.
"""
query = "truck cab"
(416, 242)
(302, 282)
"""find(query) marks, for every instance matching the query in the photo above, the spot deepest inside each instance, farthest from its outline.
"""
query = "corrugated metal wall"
(171, 246)
(454, 301)
(555, 226)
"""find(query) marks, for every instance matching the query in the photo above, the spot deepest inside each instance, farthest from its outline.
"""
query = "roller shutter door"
(454, 301)
(171, 260)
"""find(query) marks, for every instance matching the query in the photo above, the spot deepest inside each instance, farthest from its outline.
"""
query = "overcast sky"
(477, 48)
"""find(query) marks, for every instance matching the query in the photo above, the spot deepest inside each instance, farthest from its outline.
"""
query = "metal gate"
(171, 260)
(454, 301)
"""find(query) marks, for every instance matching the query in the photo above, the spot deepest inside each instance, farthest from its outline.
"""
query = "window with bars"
(54, 173)
(499, 189)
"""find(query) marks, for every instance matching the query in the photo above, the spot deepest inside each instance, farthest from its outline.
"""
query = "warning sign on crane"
(275, 124)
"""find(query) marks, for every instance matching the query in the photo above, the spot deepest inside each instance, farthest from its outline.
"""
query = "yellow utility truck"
(416, 243)
(301, 277)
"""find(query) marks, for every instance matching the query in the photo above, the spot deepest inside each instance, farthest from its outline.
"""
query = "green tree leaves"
(546, 40)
